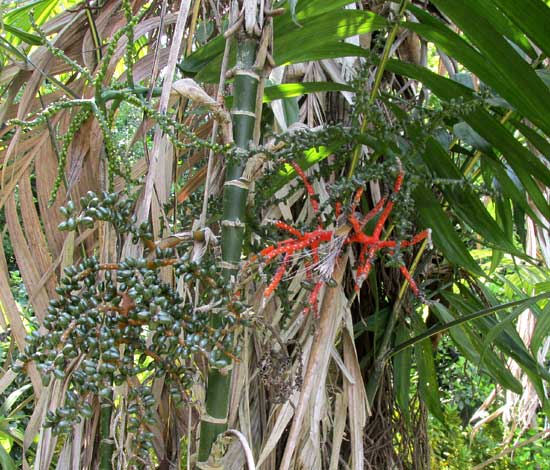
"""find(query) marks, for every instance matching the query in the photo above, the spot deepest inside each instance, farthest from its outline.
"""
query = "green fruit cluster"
(109, 207)
(120, 323)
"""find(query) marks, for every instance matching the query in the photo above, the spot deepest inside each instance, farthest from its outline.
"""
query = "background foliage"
(98, 97)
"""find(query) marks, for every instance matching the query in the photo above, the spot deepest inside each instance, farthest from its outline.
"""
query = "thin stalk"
(192, 27)
(465, 319)
(541, 435)
(138, 90)
(378, 81)
(214, 421)
(219, 99)
(382, 356)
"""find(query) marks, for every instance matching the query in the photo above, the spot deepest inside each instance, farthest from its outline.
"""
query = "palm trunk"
(246, 82)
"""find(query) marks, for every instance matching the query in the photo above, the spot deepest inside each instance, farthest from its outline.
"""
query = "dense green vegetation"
(305, 234)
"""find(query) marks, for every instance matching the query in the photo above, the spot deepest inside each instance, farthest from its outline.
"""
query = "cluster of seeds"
(116, 323)
(109, 207)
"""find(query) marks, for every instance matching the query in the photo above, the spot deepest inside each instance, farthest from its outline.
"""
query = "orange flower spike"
(287, 228)
(314, 300)
(315, 251)
(338, 209)
(382, 220)
(387, 210)
(362, 238)
(314, 239)
(416, 239)
(400, 177)
(356, 198)
(275, 250)
(361, 264)
(354, 223)
(277, 277)
(375, 210)
(386, 244)
(289, 247)
(307, 184)
(310, 239)
(363, 270)
(398, 182)
(352, 218)
(408, 277)
(324, 236)
(267, 250)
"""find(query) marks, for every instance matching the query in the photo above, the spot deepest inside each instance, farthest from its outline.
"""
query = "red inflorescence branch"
(369, 245)
(308, 186)
(314, 300)
(278, 276)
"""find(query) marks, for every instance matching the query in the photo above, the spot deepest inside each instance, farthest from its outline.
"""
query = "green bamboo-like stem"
(234, 202)
(106, 447)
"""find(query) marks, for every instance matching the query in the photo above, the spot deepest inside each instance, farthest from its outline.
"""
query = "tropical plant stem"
(106, 447)
(382, 356)
(378, 81)
(214, 421)
(219, 99)
(465, 319)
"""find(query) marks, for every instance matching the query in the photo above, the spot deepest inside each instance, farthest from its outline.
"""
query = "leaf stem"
(473, 316)
(214, 420)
